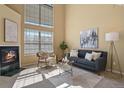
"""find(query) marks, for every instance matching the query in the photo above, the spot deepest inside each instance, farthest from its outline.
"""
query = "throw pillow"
(96, 55)
(89, 56)
(73, 53)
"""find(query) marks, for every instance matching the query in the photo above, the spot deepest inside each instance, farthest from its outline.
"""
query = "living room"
(44, 27)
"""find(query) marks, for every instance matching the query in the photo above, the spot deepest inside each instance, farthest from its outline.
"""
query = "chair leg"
(38, 64)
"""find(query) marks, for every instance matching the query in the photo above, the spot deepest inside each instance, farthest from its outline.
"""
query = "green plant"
(63, 45)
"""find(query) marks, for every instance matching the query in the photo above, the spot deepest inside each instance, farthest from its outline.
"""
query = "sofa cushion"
(81, 60)
(82, 53)
(73, 59)
(86, 62)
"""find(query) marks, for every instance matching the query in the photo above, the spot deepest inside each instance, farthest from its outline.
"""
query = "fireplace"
(9, 59)
(8, 56)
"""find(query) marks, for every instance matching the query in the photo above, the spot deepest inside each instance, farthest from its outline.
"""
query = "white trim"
(35, 24)
(115, 71)
(10, 45)
(29, 64)
(20, 56)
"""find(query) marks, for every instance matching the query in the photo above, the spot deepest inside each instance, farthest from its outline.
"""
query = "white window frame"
(40, 27)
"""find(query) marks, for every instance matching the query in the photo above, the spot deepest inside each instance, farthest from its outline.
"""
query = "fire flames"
(10, 56)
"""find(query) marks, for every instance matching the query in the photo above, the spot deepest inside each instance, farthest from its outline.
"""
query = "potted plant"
(63, 46)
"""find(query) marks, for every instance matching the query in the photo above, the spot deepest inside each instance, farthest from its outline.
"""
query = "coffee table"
(66, 66)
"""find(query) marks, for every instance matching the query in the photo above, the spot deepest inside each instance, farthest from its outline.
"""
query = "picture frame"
(10, 31)
(89, 38)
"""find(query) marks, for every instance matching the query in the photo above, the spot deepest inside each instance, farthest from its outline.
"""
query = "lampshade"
(112, 36)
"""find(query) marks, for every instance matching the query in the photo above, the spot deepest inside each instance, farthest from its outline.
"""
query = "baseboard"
(115, 71)
(29, 64)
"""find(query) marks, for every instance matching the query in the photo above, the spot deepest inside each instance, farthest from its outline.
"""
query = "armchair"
(51, 59)
(48, 59)
(42, 58)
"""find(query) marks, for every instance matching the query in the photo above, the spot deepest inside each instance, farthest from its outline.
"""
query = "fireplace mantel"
(10, 45)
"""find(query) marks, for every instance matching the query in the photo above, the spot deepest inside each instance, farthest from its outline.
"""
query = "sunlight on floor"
(27, 77)
(65, 85)
(53, 73)
(26, 71)
(32, 76)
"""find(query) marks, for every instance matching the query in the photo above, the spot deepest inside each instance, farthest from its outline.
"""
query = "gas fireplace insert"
(9, 59)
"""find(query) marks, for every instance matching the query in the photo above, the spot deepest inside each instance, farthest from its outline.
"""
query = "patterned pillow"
(74, 53)
(96, 55)
(89, 56)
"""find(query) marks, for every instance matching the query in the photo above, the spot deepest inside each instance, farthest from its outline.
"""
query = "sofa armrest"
(100, 64)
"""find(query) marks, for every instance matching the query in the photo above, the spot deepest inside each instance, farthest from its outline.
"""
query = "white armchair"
(42, 58)
(51, 59)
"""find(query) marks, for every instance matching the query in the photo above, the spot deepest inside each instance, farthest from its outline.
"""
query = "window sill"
(29, 23)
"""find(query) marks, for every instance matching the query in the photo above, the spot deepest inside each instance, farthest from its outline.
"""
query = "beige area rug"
(80, 79)
(34, 77)
(37, 77)
(110, 83)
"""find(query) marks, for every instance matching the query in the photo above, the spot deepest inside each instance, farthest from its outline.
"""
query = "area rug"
(110, 83)
(80, 79)
(7, 82)
(12, 73)
(41, 84)
(33, 77)
(36, 78)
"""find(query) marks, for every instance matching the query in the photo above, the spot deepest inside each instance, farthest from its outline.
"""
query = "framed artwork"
(89, 38)
(10, 31)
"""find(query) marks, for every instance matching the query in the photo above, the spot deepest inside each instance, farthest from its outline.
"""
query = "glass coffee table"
(66, 66)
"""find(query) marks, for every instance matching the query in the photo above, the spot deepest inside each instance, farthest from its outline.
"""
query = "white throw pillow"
(74, 50)
(96, 55)
(89, 56)
(73, 53)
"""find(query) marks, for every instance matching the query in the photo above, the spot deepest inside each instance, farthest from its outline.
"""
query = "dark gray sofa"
(97, 66)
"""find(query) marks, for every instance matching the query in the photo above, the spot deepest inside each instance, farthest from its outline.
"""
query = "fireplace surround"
(9, 59)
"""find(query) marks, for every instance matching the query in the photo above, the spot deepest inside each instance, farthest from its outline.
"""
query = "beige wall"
(106, 18)
(19, 9)
(58, 31)
(8, 13)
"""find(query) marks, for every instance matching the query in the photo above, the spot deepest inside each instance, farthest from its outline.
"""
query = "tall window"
(35, 41)
(38, 16)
